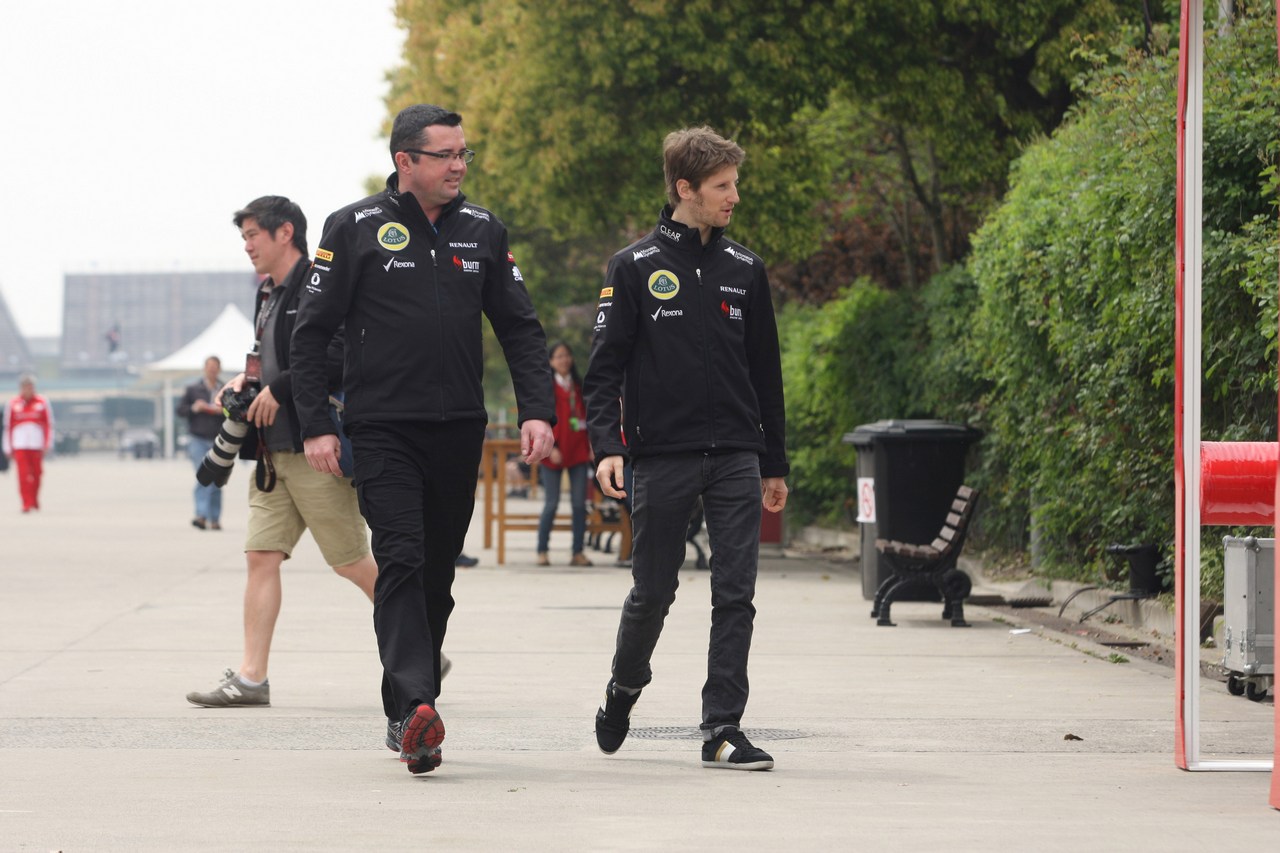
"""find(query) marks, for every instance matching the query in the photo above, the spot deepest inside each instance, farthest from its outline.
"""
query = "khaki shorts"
(304, 498)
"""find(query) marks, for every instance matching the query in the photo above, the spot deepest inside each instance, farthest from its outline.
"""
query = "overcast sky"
(135, 128)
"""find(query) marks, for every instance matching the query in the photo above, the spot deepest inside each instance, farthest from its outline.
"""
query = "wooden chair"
(605, 519)
(933, 563)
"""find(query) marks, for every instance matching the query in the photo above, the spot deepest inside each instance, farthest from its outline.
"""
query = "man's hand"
(323, 453)
(262, 411)
(609, 476)
(536, 441)
(773, 491)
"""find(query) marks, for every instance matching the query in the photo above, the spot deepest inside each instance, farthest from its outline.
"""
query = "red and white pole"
(1275, 761)
(1214, 483)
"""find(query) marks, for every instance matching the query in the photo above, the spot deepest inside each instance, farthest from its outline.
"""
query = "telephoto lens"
(216, 466)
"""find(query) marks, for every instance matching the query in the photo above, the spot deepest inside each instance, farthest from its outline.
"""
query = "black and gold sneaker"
(730, 750)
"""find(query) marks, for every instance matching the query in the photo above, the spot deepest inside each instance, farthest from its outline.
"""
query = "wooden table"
(497, 520)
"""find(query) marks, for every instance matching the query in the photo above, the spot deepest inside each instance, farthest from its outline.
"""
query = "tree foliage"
(845, 363)
(568, 104)
(1055, 336)
(1075, 311)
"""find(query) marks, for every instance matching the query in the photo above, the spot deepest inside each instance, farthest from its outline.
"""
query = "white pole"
(1193, 208)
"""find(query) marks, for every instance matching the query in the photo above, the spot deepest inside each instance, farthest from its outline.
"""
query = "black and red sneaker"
(420, 736)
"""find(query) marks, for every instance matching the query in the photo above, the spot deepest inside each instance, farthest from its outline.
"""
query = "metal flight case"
(1249, 593)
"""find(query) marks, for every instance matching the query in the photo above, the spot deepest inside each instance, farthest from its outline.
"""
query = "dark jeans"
(666, 489)
(416, 483)
(551, 503)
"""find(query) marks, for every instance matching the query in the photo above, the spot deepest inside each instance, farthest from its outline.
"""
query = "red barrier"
(1238, 483)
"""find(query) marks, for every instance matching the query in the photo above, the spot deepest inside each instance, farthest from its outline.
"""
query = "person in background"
(686, 336)
(27, 437)
(571, 455)
(204, 419)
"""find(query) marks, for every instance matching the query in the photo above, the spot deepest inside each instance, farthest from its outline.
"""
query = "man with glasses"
(410, 271)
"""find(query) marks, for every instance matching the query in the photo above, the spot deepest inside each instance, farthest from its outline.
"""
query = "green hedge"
(1056, 338)
(844, 363)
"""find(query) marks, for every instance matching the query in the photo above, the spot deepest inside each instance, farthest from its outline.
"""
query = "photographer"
(204, 418)
(285, 495)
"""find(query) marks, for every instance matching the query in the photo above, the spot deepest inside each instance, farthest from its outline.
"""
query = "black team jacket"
(411, 295)
(685, 335)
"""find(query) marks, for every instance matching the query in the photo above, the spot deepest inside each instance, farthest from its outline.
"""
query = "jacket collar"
(680, 236)
(409, 202)
(297, 274)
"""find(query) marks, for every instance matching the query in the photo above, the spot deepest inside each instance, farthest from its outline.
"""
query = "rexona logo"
(733, 312)
(663, 284)
(466, 266)
(393, 236)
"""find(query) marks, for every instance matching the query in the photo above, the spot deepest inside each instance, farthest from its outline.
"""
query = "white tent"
(228, 337)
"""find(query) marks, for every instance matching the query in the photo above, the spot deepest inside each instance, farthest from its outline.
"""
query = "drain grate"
(694, 733)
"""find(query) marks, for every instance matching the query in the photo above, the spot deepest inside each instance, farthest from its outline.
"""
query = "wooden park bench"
(933, 563)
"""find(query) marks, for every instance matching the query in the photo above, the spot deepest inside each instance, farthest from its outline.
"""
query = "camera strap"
(264, 474)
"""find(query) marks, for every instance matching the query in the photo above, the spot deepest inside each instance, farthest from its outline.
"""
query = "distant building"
(15, 356)
(118, 322)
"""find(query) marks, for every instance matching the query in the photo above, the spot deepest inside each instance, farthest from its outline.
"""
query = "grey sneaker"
(233, 692)
(732, 751)
(395, 731)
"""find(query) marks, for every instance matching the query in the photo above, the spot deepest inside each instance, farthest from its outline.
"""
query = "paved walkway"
(916, 737)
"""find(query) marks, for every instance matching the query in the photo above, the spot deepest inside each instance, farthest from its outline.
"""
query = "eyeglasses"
(466, 155)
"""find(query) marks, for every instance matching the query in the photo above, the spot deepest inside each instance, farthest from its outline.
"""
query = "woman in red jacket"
(572, 453)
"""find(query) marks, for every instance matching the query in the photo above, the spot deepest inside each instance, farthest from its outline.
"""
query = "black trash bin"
(908, 473)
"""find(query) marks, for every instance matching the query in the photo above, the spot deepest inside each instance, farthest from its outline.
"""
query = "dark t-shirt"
(279, 436)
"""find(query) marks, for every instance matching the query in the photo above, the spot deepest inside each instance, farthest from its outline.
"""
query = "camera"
(235, 404)
(216, 466)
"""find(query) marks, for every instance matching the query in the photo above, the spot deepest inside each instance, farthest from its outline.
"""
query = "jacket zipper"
(706, 356)
(639, 386)
(435, 277)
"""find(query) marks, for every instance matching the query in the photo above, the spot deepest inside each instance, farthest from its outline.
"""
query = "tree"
(569, 103)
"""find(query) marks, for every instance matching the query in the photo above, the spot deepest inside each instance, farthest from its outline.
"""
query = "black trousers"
(667, 488)
(416, 483)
